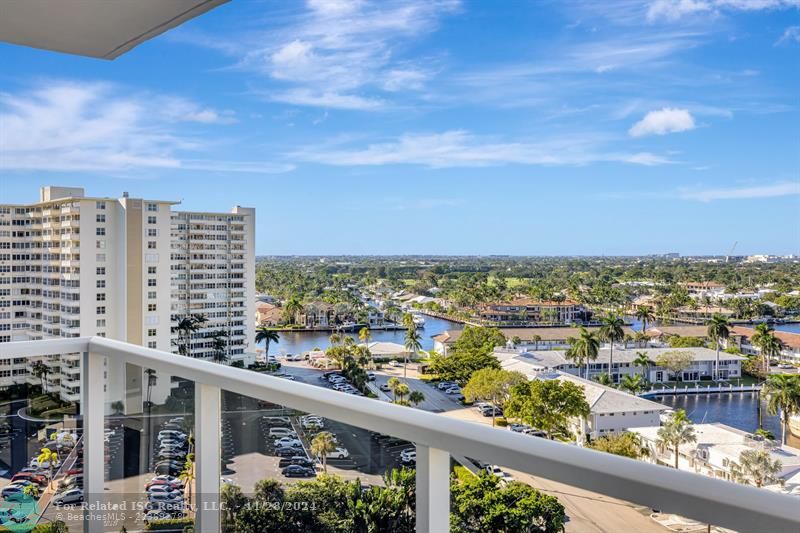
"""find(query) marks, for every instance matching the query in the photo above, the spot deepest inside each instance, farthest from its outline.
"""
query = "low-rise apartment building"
(526, 311)
(740, 337)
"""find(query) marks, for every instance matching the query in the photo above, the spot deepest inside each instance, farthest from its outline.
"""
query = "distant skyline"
(438, 127)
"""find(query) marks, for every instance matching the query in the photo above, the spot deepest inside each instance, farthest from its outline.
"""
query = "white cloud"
(672, 10)
(96, 127)
(339, 54)
(458, 148)
(663, 121)
(792, 34)
(742, 193)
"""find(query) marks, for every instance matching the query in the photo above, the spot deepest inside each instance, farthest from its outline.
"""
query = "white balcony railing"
(721, 503)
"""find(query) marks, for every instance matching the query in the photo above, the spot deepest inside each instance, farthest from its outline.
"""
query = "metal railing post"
(207, 423)
(93, 409)
(433, 490)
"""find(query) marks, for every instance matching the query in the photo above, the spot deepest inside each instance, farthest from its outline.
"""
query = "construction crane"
(730, 253)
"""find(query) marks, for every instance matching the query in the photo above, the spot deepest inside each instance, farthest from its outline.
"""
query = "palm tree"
(643, 362)
(583, 349)
(321, 445)
(676, 431)
(393, 383)
(401, 391)
(117, 407)
(416, 397)
(40, 370)
(184, 328)
(756, 466)
(364, 335)
(783, 397)
(408, 320)
(292, 307)
(335, 339)
(641, 338)
(536, 340)
(771, 347)
(187, 477)
(632, 383)
(718, 330)
(611, 331)
(603, 379)
(219, 343)
(266, 335)
(646, 315)
(412, 344)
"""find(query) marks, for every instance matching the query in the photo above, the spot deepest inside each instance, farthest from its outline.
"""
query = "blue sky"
(438, 126)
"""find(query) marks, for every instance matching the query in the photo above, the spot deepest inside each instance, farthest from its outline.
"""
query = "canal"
(292, 342)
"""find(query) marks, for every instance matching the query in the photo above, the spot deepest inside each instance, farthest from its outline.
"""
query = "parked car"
(338, 453)
(45, 464)
(171, 434)
(370, 376)
(71, 481)
(30, 476)
(498, 472)
(10, 490)
(313, 423)
(384, 387)
(164, 497)
(453, 390)
(290, 442)
(167, 479)
(298, 471)
(282, 432)
(408, 456)
(444, 385)
(287, 452)
(69, 496)
(394, 363)
(164, 489)
(162, 483)
(296, 460)
(491, 409)
(157, 515)
(277, 420)
(518, 428)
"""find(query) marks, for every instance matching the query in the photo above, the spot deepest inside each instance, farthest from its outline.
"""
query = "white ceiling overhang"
(104, 29)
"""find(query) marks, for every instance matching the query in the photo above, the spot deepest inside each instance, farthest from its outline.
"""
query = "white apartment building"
(122, 268)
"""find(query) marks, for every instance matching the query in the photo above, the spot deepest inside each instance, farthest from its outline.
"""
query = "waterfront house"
(528, 311)
(791, 342)
(711, 289)
(610, 410)
(537, 338)
(702, 366)
(716, 449)
(268, 315)
(383, 351)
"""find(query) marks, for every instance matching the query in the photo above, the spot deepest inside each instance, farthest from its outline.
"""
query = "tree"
(412, 344)
(611, 331)
(393, 383)
(603, 379)
(548, 404)
(187, 477)
(632, 383)
(459, 366)
(756, 466)
(718, 330)
(646, 315)
(292, 307)
(676, 431)
(185, 327)
(480, 503)
(536, 340)
(583, 349)
(401, 391)
(416, 397)
(40, 370)
(219, 344)
(642, 361)
(118, 407)
(783, 398)
(675, 361)
(364, 335)
(267, 336)
(767, 343)
(493, 385)
(625, 444)
(46, 455)
(321, 445)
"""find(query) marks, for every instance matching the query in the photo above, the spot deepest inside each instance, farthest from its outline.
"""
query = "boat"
(419, 321)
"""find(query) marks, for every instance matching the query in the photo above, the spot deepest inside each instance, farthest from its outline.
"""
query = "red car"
(162, 482)
(33, 478)
(75, 471)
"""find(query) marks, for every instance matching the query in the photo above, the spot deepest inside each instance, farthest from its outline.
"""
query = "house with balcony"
(717, 448)
(741, 336)
(701, 367)
(529, 311)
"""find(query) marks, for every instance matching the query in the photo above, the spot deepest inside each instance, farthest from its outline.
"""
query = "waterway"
(292, 342)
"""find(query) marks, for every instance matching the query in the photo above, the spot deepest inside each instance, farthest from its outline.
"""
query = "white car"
(394, 363)
(282, 432)
(408, 456)
(171, 434)
(497, 472)
(162, 497)
(295, 357)
(287, 442)
(338, 453)
(68, 496)
(157, 515)
(168, 479)
(164, 489)
(453, 390)
(313, 423)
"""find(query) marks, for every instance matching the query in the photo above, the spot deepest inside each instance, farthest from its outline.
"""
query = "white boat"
(419, 321)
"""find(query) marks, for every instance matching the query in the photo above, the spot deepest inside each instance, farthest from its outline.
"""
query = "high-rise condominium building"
(123, 268)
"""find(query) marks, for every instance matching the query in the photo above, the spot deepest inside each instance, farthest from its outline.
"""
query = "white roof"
(604, 399)
(97, 28)
(385, 348)
(550, 359)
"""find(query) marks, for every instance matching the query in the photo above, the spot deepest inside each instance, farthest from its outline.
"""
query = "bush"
(170, 524)
(501, 422)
